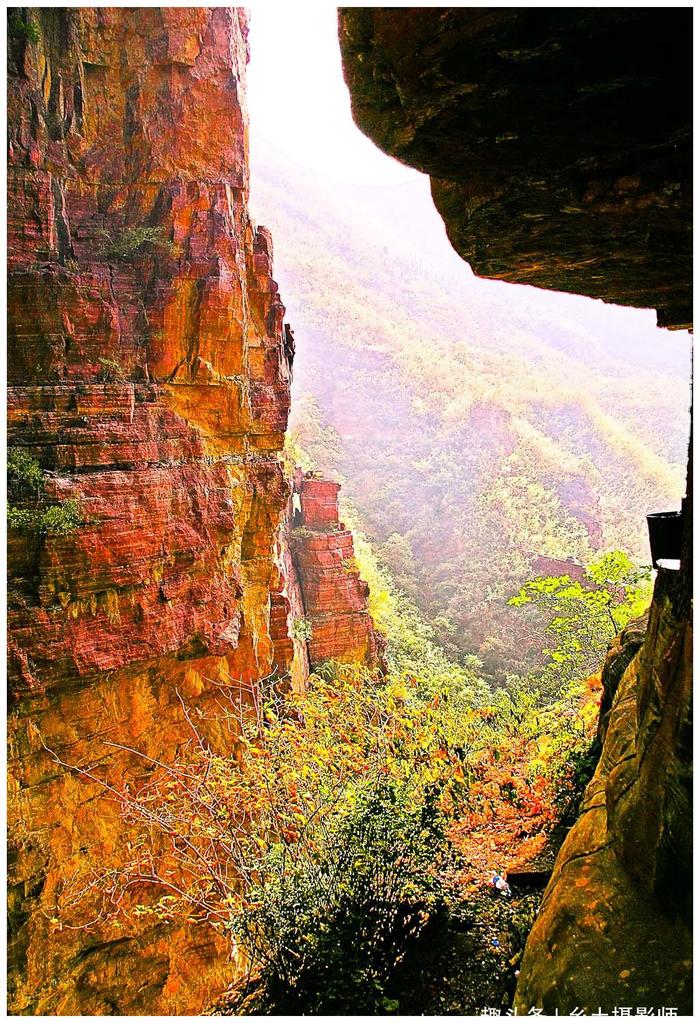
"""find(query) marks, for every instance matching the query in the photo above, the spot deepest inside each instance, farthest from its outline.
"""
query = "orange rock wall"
(148, 375)
(334, 595)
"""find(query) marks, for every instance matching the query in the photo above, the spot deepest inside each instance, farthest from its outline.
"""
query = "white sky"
(298, 100)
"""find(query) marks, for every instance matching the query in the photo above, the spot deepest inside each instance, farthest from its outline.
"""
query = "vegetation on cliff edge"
(29, 510)
(346, 839)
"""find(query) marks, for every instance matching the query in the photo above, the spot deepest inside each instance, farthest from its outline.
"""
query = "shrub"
(132, 242)
(302, 630)
(25, 479)
(111, 371)
(55, 518)
(21, 28)
(61, 518)
(27, 508)
(20, 519)
(331, 929)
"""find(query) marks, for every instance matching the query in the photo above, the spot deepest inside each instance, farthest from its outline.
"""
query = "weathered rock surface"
(558, 142)
(558, 145)
(614, 928)
(620, 654)
(291, 654)
(334, 595)
(149, 377)
(149, 374)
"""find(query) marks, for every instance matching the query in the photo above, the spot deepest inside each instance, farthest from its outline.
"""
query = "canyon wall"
(558, 144)
(615, 924)
(149, 376)
(335, 597)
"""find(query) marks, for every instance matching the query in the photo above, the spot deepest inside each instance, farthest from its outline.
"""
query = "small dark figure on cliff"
(289, 345)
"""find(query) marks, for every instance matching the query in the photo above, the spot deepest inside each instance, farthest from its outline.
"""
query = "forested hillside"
(484, 431)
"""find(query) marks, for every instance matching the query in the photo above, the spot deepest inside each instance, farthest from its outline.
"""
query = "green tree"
(582, 616)
(28, 508)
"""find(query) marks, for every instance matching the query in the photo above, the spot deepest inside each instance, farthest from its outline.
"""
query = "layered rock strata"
(334, 595)
(148, 375)
(558, 142)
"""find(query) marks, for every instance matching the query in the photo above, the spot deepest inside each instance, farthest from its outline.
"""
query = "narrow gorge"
(176, 570)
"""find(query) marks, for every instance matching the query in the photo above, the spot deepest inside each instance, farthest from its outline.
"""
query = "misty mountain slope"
(480, 424)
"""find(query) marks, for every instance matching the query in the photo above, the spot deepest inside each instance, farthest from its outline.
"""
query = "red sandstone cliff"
(148, 375)
(334, 595)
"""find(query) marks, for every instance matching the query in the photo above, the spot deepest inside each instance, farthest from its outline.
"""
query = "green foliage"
(413, 649)
(25, 479)
(61, 518)
(28, 510)
(333, 928)
(133, 242)
(20, 519)
(21, 26)
(111, 371)
(532, 514)
(582, 616)
(302, 629)
(614, 568)
(57, 519)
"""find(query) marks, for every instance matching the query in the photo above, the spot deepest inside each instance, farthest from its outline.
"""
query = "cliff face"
(615, 923)
(148, 375)
(558, 144)
(334, 595)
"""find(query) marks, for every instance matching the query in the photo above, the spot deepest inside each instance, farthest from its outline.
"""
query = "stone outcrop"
(620, 654)
(614, 928)
(558, 145)
(558, 142)
(334, 595)
(148, 375)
